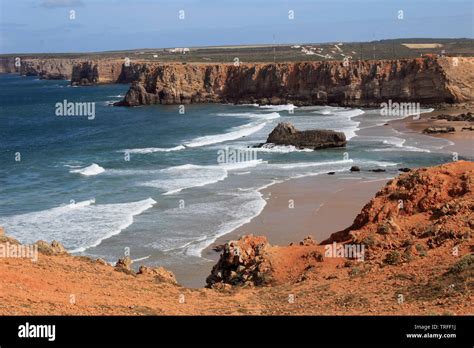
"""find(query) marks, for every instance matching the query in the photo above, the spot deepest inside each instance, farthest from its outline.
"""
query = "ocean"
(151, 180)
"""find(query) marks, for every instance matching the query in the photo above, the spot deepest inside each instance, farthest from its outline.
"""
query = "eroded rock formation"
(425, 80)
(287, 134)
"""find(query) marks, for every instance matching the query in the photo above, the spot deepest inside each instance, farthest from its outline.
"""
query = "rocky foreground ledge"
(409, 251)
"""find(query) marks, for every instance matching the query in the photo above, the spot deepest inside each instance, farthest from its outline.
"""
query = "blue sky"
(28, 26)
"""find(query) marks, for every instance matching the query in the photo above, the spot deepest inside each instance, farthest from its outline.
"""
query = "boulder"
(55, 248)
(124, 264)
(58, 248)
(101, 262)
(355, 169)
(160, 274)
(469, 117)
(242, 262)
(439, 130)
(309, 240)
(5, 239)
(137, 95)
(287, 134)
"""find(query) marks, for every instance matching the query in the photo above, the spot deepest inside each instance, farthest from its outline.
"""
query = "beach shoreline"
(323, 204)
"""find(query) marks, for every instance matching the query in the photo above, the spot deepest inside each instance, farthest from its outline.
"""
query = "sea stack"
(286, 134)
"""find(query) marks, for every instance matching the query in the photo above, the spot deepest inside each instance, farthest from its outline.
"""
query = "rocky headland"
(358, 83)
(427, 80)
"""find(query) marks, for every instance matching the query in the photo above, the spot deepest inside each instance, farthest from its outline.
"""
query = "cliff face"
(97, 72)
(80, 71)
(424, 80)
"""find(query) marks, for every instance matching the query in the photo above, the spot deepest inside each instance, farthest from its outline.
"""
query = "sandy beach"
(324, 204)
(463, 141)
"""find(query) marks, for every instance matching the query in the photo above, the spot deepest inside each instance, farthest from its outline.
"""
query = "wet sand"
(463, 141)
(316, 206)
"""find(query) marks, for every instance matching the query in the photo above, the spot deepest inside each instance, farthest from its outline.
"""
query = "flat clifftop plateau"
(357, 83)
(409, 252)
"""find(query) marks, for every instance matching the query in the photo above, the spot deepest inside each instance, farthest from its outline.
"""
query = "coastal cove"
(148, 179)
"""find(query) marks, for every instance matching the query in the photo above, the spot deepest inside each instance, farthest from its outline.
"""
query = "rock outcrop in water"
(287, 134)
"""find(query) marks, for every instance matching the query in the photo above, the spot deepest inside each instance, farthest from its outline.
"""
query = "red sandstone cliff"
(424, 80)
(359, 83)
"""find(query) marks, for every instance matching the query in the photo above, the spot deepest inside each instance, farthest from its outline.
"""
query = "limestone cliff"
(80, 70)
(424, 80)
(44, 68)
(359, 83)
(98, 72)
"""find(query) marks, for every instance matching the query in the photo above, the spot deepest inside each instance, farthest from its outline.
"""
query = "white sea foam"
(91, 170)
(244, 214)
(235, 133)
(154, 149)
(175, 179)
(267, 116)
(272, 148)
(231, 213)
(286, 107)
(187, 176)
(342, 118)
(309, 164)
(78, 226)
(398, 145)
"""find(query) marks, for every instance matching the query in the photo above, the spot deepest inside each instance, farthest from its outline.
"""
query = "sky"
(45, 26)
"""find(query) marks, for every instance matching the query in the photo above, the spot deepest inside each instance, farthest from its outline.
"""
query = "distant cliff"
(44, 68)
(358, 83)
(424, 80)
(81, 71)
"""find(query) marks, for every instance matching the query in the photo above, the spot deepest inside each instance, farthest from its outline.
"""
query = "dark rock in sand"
(218, 248)
(355, 169)
(287, 134)
(469, 116)
(378, 170)
(439, 130)
(331, 173)
(404, 170)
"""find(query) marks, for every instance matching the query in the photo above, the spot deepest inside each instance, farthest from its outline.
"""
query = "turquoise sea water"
(170, 198)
